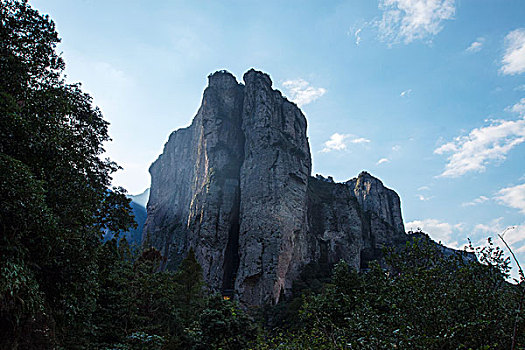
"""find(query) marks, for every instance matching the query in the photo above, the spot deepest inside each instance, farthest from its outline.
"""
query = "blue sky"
(428, 95)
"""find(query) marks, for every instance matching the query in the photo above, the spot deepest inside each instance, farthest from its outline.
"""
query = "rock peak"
(373, 196)
(236, 187)
(222, 78)
(254, 75)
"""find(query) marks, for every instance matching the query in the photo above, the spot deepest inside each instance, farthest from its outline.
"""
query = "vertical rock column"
(273, 206)
(214, 213)
(195, 194)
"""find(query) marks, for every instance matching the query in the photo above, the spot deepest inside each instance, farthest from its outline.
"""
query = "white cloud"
(451, 234)
(482, 146)
(518, 107)
(513, 61)
(520, 87)
(396, 148)
(438, 231)
(460, 227)
(513, 235)
(405, 93)
(359, 140)
(336, 143)
(493, 227)
(479, 200)
(358, 36)
(476, 45)
(423, 188)
(409, 20)
(339, 142)
(382, 160)
(301, 92)
(423, 198)
(513, 197)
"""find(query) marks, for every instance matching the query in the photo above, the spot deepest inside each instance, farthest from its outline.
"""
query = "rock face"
(374, 197)
(236, 187)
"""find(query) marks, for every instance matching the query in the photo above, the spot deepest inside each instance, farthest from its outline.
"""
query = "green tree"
(224, 325)
(189, 284)
(55, 189)
(154, 294)
(115, 302)
(25, 222)
(424, 300)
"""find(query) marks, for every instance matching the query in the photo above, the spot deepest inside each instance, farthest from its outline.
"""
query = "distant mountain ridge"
(138, 206)
(142, 198)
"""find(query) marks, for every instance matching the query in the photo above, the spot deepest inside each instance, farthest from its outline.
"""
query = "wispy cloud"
(476, 45)
(357, 35)
(493, 226)
(359, 140)
(410, 20)
(513, 197)
(382, 161)
(518, 107)
(339, 142)
(513, 61)
(423, 198)
(423, 188)
(479, 200)
(406, 93)
(437, 230)
(396, 148)
(513, 235)
(301, 92)
(473, 152)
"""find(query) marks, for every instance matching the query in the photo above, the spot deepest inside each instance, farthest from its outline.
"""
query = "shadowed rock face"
(194, 199)
(236, 187)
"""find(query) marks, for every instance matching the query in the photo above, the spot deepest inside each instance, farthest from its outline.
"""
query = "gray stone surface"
(236, 187)
(274, 178)
(374, 197)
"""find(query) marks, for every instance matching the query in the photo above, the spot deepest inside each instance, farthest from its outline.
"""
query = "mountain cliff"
(236, 187)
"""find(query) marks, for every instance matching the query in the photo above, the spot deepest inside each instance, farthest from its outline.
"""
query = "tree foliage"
(54, 187)
(424, 300)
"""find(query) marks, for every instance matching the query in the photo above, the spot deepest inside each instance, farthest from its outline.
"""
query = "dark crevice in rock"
(231, 254)
(274, 164)
(297, 178)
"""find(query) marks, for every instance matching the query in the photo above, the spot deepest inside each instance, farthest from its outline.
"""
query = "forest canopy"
(56, 196)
